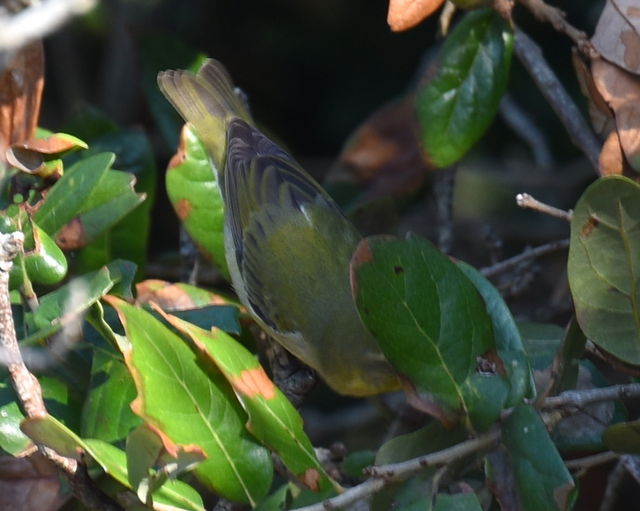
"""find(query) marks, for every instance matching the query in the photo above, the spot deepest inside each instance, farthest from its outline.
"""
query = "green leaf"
(543, 482)
(623, 437)
(604, 266)
(129, 237)
(542, 341)
(45, 263)
(52, 433)
(277, 501)
(12, 439)
(567, 361)
(458, 104)
(65, 303)
(459, 502)
(507, 338)
(272, 418)
(66, 198)
(190, 406)
(107, 414)
(427, 316)
(193, 190)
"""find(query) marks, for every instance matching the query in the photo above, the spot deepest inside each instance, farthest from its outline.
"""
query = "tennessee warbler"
(287, 244)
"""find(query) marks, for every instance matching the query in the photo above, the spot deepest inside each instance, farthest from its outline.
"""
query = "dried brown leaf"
(176, 297)
(621, 90)
(611, 160)
(384, 157)
(617, 36)
(30, 483)
(601, 115)
(404, 14)
(21, 86)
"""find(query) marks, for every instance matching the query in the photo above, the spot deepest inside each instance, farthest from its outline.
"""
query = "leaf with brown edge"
(272, 418)
(193, 191)
(192, 404)
(21, 85)
(405, 14)
(178, 296)
(617, 35)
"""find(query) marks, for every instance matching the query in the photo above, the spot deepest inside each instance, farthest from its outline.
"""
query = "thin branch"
(27, 386)
(580, 398)
(594, 460)
(381, 476)
(557, 18)
(580, 132)
(529, 253)
(524, 200)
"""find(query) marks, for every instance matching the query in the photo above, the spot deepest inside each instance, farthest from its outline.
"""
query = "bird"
(288, 245)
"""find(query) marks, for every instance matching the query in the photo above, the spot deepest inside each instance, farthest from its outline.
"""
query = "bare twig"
(580, 398)
(383, 475)
(524, 200)
(529, 253)
(632, 464)
(581, 134)
(557, 18)
(594, 460)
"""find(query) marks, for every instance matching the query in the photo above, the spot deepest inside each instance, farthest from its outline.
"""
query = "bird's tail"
(208, 101)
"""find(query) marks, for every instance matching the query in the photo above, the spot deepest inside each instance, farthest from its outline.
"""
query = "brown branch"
(557, 18)
(28, 388)
(530, 55)
(529, 253)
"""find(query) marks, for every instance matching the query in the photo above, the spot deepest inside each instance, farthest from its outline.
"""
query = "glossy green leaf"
(107, 414)
(45, 263)
(427, 316)
(192, 406)
(193, 190)
(458, 104)
(277, 501)
(623, 437)
(604, 265)
(272, 418)
(52, 433)
(507, 338)
(543, 482)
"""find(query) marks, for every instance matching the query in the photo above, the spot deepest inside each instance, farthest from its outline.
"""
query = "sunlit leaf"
(193, 190)
(272, 418)
(190, 405)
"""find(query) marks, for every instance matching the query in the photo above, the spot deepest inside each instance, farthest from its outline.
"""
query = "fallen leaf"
(617, 35)
(621, 90)
(404, 14)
